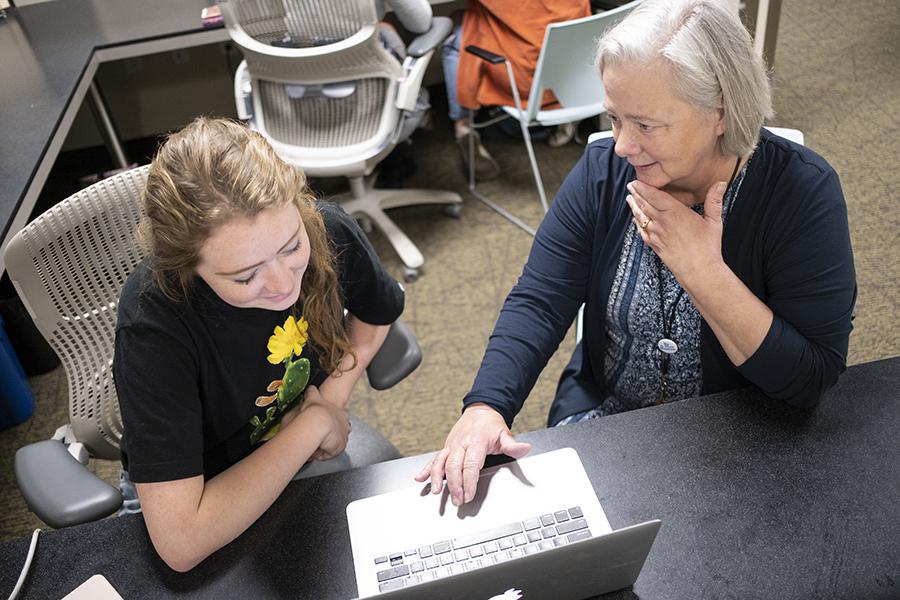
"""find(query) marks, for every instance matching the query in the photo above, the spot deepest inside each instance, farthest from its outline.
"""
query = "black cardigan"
(786, 238)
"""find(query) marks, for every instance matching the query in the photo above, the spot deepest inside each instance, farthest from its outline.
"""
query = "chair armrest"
(243, 99)
(431, 39)
(494, 59)
(60, 490)
(398, 356)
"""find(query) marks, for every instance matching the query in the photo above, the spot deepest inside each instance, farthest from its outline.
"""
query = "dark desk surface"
(756, 500)
(46, 49)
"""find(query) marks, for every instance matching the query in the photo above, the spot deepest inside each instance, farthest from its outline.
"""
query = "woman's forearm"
(739, 320)
(188, 519)
(365, 339)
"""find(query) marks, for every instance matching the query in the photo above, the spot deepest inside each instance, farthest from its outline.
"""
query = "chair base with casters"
(368, 203)
(565, 66)
(69, 266)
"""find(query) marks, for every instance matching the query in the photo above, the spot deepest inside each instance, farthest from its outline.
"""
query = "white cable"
(27, 566)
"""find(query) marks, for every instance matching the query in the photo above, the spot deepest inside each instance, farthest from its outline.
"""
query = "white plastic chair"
(566, 65)
(69, 266)
(320, 85)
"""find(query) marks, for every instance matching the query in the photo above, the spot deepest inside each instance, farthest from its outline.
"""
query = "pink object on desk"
(211, 16)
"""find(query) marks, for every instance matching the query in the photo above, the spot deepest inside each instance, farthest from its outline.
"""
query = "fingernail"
(721, 187)
(630, 186)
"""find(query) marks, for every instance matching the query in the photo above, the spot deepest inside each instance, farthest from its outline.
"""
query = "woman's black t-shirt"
(190, 375)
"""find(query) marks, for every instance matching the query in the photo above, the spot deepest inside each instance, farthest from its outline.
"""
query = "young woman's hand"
(335, 422)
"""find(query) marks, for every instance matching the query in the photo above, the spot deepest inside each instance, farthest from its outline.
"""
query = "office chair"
(565, 66)
(69, 266)
(319, 84)
(794, 135)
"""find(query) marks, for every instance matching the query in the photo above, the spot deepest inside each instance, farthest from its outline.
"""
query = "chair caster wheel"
(453, 210)
(410, 275)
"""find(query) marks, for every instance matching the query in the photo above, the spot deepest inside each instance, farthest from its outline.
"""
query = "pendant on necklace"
(668, 346)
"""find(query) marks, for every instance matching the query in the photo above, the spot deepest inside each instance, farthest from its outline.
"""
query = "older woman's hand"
(479, 431)
(688, 243)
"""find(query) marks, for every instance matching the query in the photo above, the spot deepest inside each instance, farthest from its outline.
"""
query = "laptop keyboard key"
(506, 543)
(564, 528)
(486, 536)
(441, 547)
(476, 551)
(388, 586)
(532, 524)
(381, 559)
(548, 532)
(417, 566)
(575, 512)
(432, 562)
(547, 520)
(460, 555)
(561, 516)
(401, 571)
(425, 551)
(518, 540)
(534, 536)
(579, 535)
(490, 547)
(446, 559)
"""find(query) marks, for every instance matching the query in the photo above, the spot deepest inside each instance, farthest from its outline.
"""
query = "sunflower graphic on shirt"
(285, 346)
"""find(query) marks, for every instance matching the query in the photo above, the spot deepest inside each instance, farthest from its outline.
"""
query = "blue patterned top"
(634, 326)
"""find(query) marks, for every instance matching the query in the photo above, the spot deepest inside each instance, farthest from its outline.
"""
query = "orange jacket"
(514, 29)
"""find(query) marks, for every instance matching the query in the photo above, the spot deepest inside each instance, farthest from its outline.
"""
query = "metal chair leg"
(478, 196)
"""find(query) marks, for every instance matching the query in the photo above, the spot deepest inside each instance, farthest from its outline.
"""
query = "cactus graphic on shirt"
(285, 346)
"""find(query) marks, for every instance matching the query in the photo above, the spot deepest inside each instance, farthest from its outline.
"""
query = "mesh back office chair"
(794, 135)
(319, 84)
(69, 266)
(565, 66)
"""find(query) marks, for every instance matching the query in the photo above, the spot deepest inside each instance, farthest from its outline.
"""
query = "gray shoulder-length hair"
(712, 57)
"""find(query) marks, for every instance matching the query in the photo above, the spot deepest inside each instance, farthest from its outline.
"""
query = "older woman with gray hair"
(709, 253)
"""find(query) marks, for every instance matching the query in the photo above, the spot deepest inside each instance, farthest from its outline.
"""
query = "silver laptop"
(534, 530)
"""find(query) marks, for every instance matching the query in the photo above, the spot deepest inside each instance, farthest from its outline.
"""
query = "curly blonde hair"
(216, 170)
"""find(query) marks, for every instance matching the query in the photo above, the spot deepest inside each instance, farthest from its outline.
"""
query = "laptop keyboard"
(481, 549)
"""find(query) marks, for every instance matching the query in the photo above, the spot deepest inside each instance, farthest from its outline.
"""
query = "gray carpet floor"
(836, 78)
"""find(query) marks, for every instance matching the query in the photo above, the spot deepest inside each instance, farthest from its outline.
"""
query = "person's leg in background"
(485, 165)
(562, 135)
